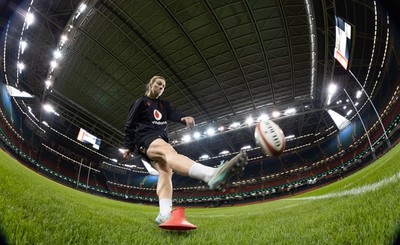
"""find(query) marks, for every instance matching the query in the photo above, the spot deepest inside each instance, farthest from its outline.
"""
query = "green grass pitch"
(360, 209)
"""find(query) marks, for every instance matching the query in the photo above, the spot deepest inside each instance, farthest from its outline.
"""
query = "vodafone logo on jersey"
(157, 115)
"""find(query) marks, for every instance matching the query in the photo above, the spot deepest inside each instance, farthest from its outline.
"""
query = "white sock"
(201, 172)
(165, 206)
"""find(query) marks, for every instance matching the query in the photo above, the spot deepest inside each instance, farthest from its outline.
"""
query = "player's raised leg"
(227, 170)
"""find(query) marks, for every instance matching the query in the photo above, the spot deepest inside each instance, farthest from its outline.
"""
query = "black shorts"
(144, 145)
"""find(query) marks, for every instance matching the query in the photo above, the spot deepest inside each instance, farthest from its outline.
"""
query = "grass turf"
(360, 209)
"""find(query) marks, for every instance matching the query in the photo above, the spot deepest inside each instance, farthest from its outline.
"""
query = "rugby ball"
(270, 138)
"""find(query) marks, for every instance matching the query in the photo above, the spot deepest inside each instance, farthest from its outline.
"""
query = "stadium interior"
(76, 65)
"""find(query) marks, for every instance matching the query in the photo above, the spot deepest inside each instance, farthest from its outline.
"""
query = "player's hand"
(189, 121)
(126, 154)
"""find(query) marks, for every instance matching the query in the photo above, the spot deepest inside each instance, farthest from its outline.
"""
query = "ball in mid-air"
(269, 136)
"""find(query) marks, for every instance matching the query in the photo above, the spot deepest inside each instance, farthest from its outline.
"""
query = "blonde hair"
(152, 80)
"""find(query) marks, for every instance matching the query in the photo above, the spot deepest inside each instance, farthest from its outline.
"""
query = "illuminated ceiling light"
(221, 128)
(262, 117)
(349, 112)
(290, 136)
(204, 157)
(82, 7)
(29, 19)
(48, 83)
(49, 108)
(290, 111)
(64, 38)
(331, 91)
(57, 54)
(45, 123)
(276, 114)
(196, 135)
(356, 104)
(234, 125)
(20, 66)
(249, 120)
(53, 64)
(347, 100)
(24, 44)
(210, 131)
(332, 88)
(224, 152)
(114, 160)
(121, 150)
(246, 147)
(344, 107)
(186, 138)
(358, 94)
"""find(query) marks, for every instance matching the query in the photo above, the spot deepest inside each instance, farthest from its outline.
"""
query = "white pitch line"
(360, 190)
(355, 191)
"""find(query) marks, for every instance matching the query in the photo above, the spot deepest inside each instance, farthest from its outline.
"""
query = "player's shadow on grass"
(397, 239)
(3, 239)
(176, 233)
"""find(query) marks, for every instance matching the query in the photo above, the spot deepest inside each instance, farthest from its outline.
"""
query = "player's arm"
(176, 116)
(130, 127)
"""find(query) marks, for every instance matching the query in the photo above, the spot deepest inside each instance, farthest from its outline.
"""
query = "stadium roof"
(223, 60)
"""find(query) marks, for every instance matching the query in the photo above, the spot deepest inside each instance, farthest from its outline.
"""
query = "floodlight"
(276, 114)
(186, 138)
(210, 131)
(48, 83)
(204, 157)
(64, 38)
(332, 88)
(290, 111)
(234, 125)
(49, 108)
(224, 152)
(196, 135)
(30, 18)
(53, 64)
(24, 44)
(57, 54)
(82, 7)
(249, 120)
(358, 94)
(20, 66)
